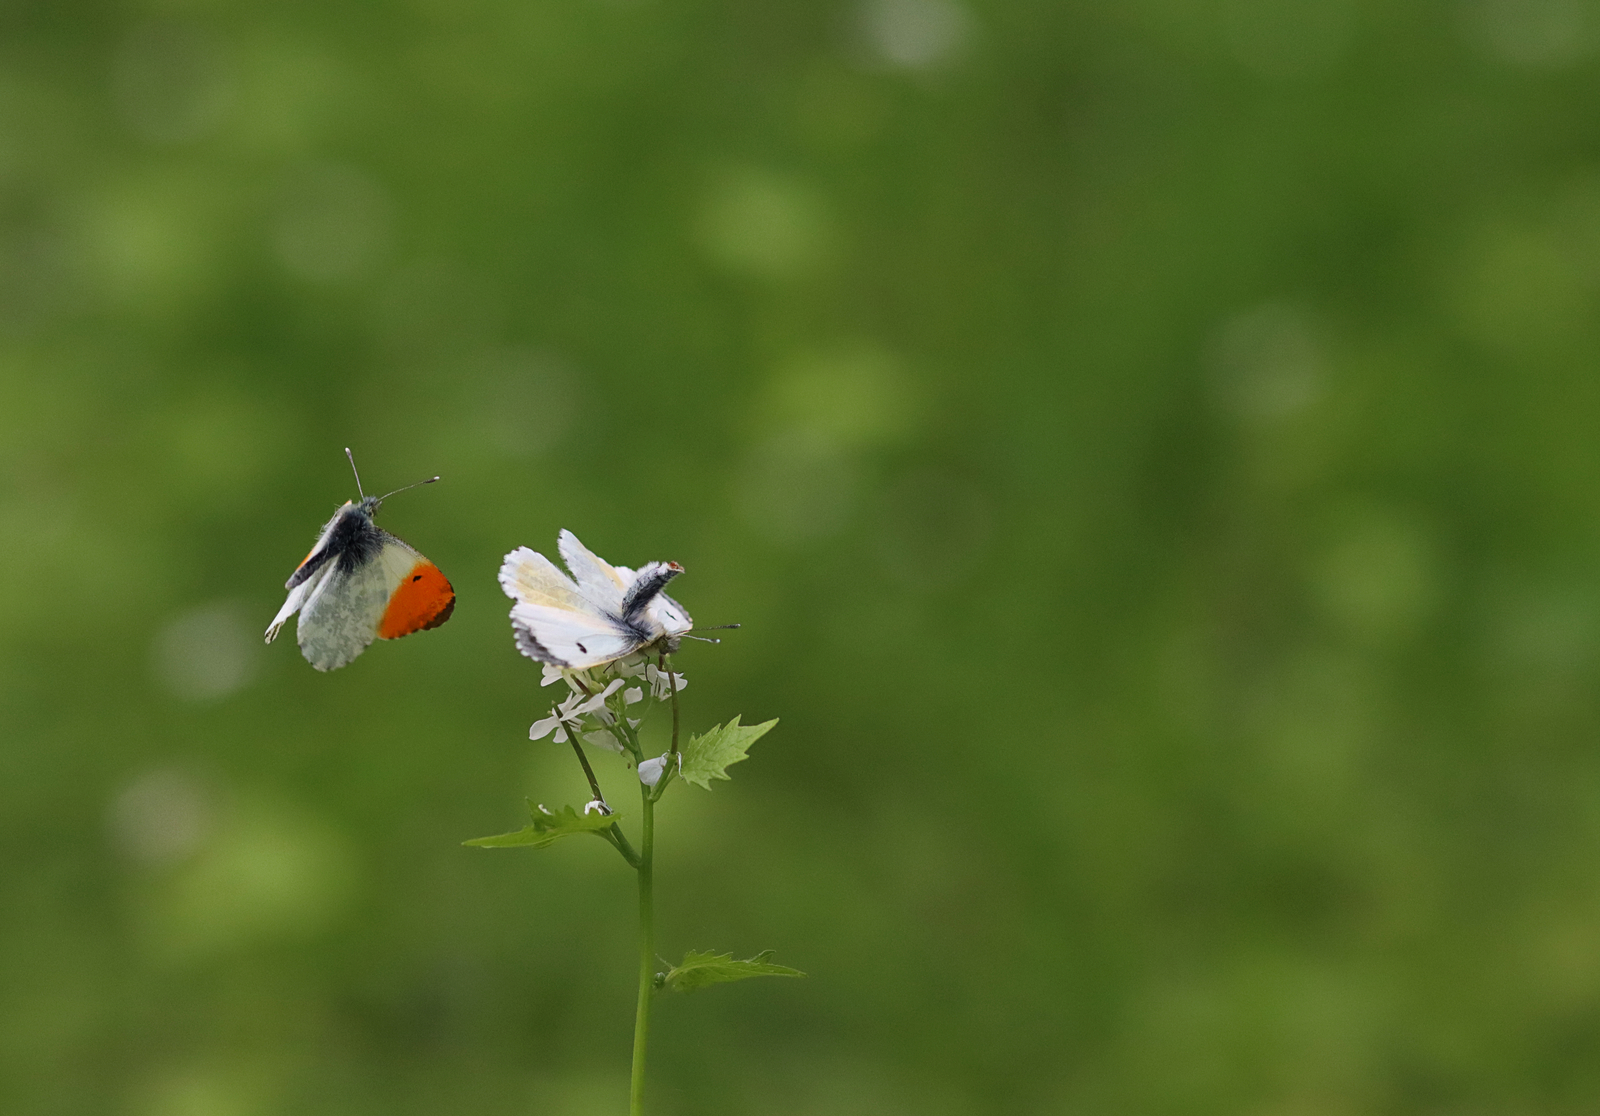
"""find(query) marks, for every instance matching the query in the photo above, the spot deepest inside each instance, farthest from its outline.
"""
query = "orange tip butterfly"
(600, 614)
(360, 583)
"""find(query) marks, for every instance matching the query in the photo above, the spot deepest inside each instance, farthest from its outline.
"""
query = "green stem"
(647, 953)
(672, 683)
(674, 760)
(647, 930)
(619, 841)
(588, 772)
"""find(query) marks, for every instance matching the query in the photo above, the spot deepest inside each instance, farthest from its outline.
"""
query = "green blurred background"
(1150, 444)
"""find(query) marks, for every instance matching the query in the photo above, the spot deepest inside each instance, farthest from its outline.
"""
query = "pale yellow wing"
(530, 578)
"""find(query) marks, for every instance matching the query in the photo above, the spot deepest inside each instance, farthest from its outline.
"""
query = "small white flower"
(660, 687)
(598, 701)
(551, 674)
(602, 740)
(632, 695)
(596, 804)
(568, 716)
(650, 770)
(630, 667)
(578, 682)
(559, 716)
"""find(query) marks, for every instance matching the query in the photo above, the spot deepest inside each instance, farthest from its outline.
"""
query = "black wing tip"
(442, 615)
(529, 645)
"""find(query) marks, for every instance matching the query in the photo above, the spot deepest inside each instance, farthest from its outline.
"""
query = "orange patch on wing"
(423, 600)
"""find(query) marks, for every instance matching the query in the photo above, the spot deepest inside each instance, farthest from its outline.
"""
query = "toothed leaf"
(700, 969)
(709, 756)
(546, 829)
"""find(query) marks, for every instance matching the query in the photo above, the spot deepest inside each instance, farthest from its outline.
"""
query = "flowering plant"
(608, 633)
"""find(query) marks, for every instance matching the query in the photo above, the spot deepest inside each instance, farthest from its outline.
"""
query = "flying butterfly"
(360, 583)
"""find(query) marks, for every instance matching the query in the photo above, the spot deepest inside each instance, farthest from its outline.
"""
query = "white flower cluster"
(594, 694)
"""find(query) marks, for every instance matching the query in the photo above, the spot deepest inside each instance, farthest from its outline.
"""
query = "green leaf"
(700, 969)
(546, 829)
(709, 756)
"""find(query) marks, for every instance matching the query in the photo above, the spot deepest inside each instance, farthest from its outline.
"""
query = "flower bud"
(650, 770)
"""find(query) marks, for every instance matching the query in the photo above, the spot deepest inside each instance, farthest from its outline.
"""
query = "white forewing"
(398, 559)
(672, 616)
(569, 638)
(530, 577)
(597, 579)
(296, 598)
(578, 622)
(555, 621)
(343, 614)
(299, 594)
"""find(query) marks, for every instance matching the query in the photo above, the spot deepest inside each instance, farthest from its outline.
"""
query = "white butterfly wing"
(398, 557)
(346, 610)
(529, 577)
(571, 638)
(554, 620)
(312, 571)
(600, 614)
(296, 598)
(597, 579)
(342, 614)
(671, 615)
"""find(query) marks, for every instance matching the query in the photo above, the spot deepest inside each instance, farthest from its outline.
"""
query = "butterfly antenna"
(356, 471)
(709, 628)
(408, 487)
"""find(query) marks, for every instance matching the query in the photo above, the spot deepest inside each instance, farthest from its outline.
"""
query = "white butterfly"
(600, 614)
(360, 583)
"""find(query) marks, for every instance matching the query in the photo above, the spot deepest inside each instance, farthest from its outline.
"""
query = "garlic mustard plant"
(609, 633)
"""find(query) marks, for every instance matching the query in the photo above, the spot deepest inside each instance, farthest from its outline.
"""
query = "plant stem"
(594, 784)
(647, 929)
(647, 953)
(672, 683)
(615, 837)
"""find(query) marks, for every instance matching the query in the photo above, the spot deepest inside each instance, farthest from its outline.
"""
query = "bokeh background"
(1153, 447)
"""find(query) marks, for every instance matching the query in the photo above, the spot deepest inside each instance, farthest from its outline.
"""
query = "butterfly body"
(597, 615)
(360, 583)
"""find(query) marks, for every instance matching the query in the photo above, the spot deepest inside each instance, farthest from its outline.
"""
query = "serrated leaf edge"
(702, 959)
(542, 831)
(761, 729)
